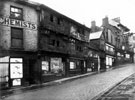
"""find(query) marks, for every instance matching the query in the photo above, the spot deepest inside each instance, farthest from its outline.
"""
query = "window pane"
(17, 43)
(12, 9)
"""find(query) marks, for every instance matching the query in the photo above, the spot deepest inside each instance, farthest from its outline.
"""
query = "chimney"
(93, 24)
(105, 21)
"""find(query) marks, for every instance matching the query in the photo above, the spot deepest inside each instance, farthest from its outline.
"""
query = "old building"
(109, 32)
(53, 44)
(117, 46)
(61, 45)
(77, 44)
(98, 41)
(18, 42)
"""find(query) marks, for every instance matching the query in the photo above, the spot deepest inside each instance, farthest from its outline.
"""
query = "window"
(58, 43)
(51, 18)
(16, 12)
(58, 21)
(79, 48)
(16, 37)
(72, 65)
(107, 36)
(52, 42)
(111, 39)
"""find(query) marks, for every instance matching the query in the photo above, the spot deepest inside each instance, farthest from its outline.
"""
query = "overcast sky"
(84, 11)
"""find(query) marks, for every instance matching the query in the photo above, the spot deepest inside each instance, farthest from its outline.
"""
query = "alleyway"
(79, 89)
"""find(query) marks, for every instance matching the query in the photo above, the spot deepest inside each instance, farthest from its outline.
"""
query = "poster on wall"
(16, 82)
(16, 68)
(16, 71)
(45, 65)
(56, 65)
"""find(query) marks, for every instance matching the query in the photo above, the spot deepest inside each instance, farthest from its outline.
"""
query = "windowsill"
(16, 18)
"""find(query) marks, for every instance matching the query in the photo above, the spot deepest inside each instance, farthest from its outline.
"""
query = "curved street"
(80, 89)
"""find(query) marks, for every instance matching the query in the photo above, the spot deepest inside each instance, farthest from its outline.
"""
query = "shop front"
(77, 66)
(93, 61)
(52, 68)
(14, 70)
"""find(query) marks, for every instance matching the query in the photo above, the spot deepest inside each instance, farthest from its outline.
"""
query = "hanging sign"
(17, 23)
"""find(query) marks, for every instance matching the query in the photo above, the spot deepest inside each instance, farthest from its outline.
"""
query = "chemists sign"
(17, 23)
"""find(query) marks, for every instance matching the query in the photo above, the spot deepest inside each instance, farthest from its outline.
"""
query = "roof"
(114, 23)
(118, 25)
(95, 35)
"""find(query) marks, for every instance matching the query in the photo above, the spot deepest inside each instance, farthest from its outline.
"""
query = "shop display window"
(72, 65)
(4, 66)
(53, 66)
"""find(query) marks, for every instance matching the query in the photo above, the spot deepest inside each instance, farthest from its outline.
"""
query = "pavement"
(56, 82)
(124, 90)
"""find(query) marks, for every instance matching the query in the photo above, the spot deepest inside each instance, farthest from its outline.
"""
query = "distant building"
(116, 44)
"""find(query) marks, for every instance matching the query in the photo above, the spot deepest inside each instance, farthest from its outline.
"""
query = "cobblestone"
(124, 91)
(85, 88)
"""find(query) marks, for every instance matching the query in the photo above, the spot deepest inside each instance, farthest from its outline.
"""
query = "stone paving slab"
(125, 90)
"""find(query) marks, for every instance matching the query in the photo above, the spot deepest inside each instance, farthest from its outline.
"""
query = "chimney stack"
(105, 21)
(93, 24)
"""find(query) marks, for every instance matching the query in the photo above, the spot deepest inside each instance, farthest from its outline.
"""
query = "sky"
(85, 11)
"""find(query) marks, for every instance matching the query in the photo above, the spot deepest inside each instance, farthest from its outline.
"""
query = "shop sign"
(17, 23)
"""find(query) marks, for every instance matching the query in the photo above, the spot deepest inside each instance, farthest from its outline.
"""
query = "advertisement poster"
(16, 68)
(16, 71)
(16, 82)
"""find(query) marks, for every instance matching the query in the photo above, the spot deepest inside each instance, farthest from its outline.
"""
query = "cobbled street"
(80, 89)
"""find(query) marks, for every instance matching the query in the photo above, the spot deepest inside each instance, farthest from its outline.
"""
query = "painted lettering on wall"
(17, 23)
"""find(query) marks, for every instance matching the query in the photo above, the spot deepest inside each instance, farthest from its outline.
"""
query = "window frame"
(19, 38)
(51, 18)
(21, 14)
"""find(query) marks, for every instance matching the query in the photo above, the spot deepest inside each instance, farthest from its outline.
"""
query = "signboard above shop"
(17, 23)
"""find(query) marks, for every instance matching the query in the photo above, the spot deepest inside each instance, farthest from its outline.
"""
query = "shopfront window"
(72, 65)
(45, 66)
(4, 67)
(54, 66)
